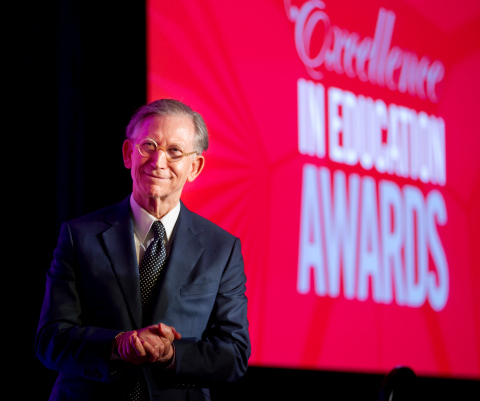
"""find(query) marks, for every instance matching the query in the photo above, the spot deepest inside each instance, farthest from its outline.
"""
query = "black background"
(78, 72)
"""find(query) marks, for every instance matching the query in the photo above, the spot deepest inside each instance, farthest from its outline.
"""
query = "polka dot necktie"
(150, 268)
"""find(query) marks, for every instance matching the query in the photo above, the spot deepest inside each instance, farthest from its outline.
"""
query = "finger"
(161, 347)
(137, 346)
(176, 334)
(168, 356)
(167, 344)
(166, 331)
(129, 348)
(152, 351)
(158, 346)
(125, 343)
(149, 348)
(123, 348)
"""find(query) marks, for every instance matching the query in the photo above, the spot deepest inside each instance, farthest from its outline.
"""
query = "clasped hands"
(150, 344)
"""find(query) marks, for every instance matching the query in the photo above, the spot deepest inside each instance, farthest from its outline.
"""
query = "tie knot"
(158, 230)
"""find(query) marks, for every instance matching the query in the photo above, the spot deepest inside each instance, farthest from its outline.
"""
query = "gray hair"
(171, 107)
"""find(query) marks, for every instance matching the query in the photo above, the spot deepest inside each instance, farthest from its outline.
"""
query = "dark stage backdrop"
(80, 74)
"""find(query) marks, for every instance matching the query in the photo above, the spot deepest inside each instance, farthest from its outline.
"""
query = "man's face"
(154, 178)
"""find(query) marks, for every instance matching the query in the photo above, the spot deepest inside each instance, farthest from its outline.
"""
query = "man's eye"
(174, 150)
(148, 145)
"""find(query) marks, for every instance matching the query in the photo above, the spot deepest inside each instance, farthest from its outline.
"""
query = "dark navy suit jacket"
(92, 294)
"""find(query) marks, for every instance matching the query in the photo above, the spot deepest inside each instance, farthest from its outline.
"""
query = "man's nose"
(159, 159)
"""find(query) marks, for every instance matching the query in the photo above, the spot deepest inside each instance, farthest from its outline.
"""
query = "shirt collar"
(142, 220)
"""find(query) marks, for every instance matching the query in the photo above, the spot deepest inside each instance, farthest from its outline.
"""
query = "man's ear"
(197, 167)
(127, 150)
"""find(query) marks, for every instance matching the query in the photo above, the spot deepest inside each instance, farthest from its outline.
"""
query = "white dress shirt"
(142, 222)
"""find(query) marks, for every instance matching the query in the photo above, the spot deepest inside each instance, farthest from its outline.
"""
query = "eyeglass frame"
(164, 148)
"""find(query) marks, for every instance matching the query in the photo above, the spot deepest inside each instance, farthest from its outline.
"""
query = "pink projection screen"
(345, 153)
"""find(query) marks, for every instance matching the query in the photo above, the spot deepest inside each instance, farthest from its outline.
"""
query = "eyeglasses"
(173, 153)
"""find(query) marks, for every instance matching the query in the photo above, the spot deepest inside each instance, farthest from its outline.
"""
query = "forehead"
(169, 129)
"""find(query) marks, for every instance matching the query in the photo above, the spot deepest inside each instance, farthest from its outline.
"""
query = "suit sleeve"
(64, 342)
(222, 354)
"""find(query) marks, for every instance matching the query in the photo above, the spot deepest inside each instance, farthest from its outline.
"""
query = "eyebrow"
(168, 144)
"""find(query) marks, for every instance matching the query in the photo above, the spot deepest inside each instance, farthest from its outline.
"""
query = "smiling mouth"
(157, 177)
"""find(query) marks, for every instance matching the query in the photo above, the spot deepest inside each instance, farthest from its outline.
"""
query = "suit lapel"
(185, 251)
(120, 247)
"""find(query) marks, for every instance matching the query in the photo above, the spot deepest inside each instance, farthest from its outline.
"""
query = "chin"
(155, 194)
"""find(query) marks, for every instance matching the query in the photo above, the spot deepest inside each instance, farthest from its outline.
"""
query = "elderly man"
(145, 300)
